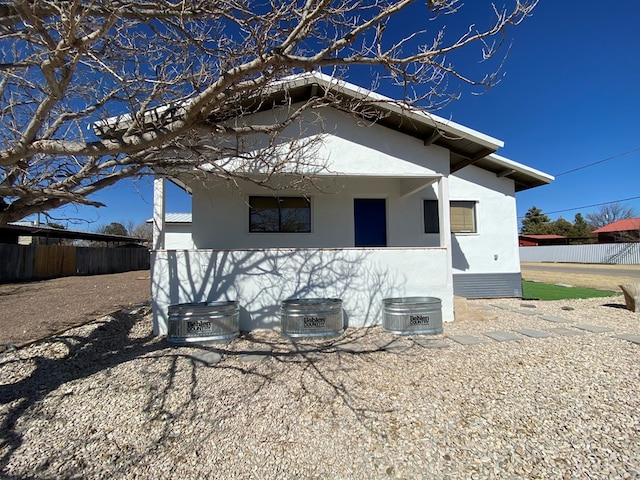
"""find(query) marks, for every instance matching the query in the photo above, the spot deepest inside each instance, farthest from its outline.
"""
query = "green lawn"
(545, 291)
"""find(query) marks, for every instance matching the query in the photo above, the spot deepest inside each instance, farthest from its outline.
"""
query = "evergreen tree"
(535, 222)
(561, 227)
(581, 228)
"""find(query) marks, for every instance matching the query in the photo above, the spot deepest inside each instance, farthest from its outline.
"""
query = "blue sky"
(570, 96)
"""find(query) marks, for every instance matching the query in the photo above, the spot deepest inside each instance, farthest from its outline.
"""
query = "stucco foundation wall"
(494, 248)
(261, 279)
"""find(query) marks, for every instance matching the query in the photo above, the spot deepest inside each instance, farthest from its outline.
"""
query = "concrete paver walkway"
(394, 344)
(567, 332)
(593, 328)
(466, 339)
(530, 332)
(630, 338)
(503, 336)
(554, 319)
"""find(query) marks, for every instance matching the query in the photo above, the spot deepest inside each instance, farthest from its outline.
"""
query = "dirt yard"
(34, 310)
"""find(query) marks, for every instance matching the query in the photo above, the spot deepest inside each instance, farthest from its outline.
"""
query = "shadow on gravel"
(110, 343)
(319, 380)
(615, 305)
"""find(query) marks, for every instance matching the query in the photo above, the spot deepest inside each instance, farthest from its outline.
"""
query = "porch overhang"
(409, 183)
(409, 186)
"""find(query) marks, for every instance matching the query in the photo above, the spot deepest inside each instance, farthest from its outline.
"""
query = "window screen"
(463, 217)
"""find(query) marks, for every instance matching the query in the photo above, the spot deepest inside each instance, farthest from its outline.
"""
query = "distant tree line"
(142, 230)
(535, 222)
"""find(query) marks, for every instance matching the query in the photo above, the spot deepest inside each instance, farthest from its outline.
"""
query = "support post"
(159, 201)
(444, 213)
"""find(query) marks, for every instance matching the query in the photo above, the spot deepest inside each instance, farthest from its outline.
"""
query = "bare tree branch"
(609, 213)
(178, 70)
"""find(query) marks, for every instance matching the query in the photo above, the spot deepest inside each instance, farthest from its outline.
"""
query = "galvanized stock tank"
(312, 317)
(412, 315)
(203, 322)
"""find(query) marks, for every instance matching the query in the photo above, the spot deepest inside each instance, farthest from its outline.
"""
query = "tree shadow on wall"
(262, 279)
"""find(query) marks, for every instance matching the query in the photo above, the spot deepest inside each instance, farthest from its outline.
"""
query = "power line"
(618, 155)
(589, 206)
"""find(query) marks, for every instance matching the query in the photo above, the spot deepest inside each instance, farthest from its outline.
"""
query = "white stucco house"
(177, 233)
(411, 205)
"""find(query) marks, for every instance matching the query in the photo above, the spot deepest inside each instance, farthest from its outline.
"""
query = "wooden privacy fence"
(96, 261)
(30, 262)
(54, 261)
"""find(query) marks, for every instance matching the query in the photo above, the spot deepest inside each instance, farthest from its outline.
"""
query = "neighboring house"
(31, 251)
(413, 205)
(620, 231)
(541, 240)
(28, 233)
(177, 231)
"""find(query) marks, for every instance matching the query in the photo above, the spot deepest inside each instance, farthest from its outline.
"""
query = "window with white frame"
(431, 216)
(279, 214)
(463, 217)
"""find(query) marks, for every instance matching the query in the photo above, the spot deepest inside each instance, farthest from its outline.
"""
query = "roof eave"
(467, 146)
(447, 127)
(524, 177)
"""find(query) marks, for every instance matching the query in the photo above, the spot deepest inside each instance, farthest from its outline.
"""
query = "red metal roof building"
(539, 240)
(626, 230)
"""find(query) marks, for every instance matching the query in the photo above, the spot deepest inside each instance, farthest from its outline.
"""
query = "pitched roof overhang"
(467, 146)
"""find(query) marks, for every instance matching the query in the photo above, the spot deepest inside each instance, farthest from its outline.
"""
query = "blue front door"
(370, 217)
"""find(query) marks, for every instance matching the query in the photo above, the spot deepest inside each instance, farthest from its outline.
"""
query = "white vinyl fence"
(606, 253)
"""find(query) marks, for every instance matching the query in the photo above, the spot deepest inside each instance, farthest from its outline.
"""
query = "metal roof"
(543, 237)
(174, 218)
(19, 228)
(624, 225)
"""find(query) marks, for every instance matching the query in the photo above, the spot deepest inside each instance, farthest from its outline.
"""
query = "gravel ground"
(108, 400)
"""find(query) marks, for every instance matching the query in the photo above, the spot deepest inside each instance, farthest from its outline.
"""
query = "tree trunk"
(631, 296)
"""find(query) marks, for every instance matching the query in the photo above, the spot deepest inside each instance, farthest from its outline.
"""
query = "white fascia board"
(448, 126)
(121, 122)
(519, 167)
